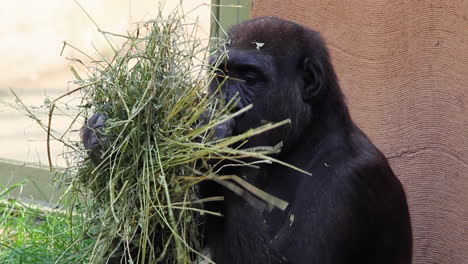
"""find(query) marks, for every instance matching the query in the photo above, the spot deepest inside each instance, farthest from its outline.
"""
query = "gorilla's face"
(272, 85)
(245, 75)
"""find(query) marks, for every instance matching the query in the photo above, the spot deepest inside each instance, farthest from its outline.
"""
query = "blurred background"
(31, 40)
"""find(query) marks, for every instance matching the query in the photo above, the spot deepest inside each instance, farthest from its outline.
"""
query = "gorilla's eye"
(220, 73)
(250, 78)
(220, 76)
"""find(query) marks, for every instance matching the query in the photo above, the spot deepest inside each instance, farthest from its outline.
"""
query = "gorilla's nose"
(225, 129)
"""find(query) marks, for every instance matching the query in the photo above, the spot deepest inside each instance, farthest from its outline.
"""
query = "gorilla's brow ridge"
(242, 58)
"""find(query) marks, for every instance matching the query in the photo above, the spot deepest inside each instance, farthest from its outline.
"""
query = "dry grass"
(142, 198)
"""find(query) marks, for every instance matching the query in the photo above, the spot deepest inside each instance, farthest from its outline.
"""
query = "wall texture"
(403, 65)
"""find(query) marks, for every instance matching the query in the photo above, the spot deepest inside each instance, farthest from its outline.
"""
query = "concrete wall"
(404, 67)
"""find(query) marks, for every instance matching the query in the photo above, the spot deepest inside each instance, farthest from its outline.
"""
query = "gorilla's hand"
(93, 137)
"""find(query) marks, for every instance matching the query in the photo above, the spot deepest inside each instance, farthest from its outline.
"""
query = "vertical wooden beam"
(229, 13)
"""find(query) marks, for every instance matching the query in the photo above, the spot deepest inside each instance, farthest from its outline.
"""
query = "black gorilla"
(352, 209)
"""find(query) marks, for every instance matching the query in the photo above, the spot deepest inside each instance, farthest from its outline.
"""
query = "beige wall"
(32, 32)
(31, 36)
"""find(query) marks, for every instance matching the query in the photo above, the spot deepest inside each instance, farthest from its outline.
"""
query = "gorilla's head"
(284, 70)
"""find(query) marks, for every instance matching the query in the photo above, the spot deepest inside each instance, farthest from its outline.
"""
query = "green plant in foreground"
(30, 235)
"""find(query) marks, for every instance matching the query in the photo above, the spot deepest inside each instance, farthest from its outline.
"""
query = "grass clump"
(140, 202)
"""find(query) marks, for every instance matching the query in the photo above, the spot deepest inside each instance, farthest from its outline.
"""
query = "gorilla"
(352, 209)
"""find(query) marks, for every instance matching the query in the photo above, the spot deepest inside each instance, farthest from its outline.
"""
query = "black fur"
(352, 209)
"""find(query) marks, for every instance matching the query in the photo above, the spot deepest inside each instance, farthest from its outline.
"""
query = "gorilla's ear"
(313, 78)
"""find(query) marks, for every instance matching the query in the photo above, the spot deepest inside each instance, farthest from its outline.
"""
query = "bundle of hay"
(140, 202)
